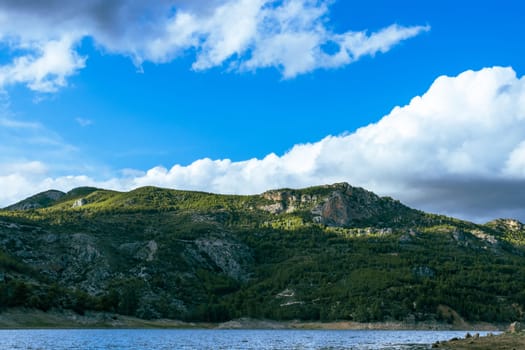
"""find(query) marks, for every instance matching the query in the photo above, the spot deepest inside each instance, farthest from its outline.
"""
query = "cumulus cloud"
(46, 68)
(458, 149)
(290, 35)
(30, 179)
(451, 133)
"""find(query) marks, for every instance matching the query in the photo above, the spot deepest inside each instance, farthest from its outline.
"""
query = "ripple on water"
(137, 339)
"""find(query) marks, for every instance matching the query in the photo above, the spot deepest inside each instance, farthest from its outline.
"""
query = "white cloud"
(29, 181)
(449, 131)
(240, 34)
(46, 68)
(450, 134)
(24, 168)
(17, 124)
(229, 31)
(443, 152)
(290, 36)
(359, 44)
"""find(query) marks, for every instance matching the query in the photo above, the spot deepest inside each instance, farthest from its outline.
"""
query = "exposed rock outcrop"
(515, 327)
(79, 203)
(229, 256)
(333, 205)
(288, 201)
(510, 225)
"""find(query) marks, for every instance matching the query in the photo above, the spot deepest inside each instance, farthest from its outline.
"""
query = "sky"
(423, 101)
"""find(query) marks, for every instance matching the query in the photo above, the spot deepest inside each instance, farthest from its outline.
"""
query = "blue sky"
(240, 96)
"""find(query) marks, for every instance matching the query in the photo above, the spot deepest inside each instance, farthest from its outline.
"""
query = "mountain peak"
(338, 204)
(37, 201)
(81, 191)
(507, 224)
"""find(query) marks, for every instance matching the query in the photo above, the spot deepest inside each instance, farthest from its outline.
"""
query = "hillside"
(326, 253)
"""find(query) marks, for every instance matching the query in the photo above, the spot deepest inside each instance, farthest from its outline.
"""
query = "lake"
(138, 339)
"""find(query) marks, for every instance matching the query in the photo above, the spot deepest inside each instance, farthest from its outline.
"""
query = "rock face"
(287, 201)
(349, 205)
(79, 203)
(338, 209)
(74, 259)
(515, 327)
(511, 225)
(338, 205)
(232, 258)
(156, 268)
(507, 224)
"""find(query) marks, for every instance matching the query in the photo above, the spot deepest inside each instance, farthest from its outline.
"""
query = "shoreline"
(503, 341)
(20, 318)
(247, 323)
(27, 319)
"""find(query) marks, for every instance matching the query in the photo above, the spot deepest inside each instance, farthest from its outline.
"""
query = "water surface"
(140, 339)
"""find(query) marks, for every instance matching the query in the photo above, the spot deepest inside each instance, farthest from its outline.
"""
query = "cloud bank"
(42, 37)
(458, 149)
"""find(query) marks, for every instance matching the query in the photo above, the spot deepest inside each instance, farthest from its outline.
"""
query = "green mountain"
(40, 200)
(332, 252)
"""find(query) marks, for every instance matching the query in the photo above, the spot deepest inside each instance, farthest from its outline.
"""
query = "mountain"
(40, 200)
(333, 252)
(50, 198)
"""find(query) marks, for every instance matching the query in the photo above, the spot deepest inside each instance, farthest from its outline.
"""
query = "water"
(98, 339)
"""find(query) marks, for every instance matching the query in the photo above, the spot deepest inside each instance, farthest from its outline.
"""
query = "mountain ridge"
(283, 199)
(331, 252)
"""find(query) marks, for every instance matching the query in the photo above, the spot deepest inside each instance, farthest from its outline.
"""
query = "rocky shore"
(504, 341)
(29, 318)
(248, 323)
(512, 339)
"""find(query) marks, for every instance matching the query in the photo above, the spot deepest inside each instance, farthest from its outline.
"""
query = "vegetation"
(324, 253)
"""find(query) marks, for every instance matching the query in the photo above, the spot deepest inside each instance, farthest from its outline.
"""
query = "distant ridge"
(37, 201)
(49, 198)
